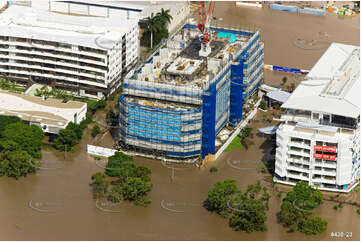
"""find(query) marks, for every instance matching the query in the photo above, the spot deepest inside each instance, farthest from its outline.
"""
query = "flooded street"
(57, 204)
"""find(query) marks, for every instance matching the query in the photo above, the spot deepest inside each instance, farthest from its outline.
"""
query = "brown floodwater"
(56, 204)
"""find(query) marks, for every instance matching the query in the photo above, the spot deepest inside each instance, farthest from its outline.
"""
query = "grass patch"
(235, 144)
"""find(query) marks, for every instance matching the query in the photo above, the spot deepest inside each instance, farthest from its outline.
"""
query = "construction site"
(183, 103)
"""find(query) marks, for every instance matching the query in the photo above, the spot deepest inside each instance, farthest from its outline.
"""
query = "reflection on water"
(67, 192)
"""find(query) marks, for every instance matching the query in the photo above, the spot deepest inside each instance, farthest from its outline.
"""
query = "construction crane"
(204, 22)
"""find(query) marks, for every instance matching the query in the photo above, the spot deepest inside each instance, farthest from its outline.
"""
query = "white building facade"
(86, 55)
(318, 141)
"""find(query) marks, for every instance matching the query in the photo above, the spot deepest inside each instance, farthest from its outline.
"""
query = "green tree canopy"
(15, 162)
(66, 139)
(120, 165)
(100, 185)
(249, 209)
(76, 128)
(315, 225)
(29, 138)
(297, 206)
(219, 195)
(5, 120)
(135, 188)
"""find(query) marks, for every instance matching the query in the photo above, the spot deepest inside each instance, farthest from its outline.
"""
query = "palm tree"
(164, 16)
(153, 24)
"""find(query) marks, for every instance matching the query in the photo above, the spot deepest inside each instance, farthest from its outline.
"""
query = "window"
(326, 118)
(315, 116)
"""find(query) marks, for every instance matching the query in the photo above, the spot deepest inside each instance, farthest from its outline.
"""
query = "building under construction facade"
(174, 105)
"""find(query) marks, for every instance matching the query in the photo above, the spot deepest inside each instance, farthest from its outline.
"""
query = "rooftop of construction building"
(50, 111)
(178, 61)
(159, 104)
(333, 84)
(93, 32)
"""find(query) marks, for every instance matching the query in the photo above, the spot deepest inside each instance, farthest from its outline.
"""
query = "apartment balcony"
(48, 54)
(299, 145)
(299, 153)
(58, 77)
(298, 168)
(53, 47)
(58, 63)
(41, 68)
(298, 177)
(324, 180)
(298, 161)
(323, 172)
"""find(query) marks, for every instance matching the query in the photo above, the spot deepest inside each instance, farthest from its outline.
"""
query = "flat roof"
(333, 84)
(49, 111)
(280, 96)
(26, 22)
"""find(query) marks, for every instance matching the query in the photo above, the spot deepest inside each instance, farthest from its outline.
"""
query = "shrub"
(100, 185)
(263, 105)
(213, 169)
(95, 131)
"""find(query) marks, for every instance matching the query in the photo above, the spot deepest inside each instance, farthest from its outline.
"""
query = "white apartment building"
(318, 141)
(123, 10)
(86, 55)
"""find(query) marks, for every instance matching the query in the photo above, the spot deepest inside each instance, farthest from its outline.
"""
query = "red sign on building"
(325, 148)
(325, 157)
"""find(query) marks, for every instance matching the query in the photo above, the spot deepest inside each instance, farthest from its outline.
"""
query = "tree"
(297, 206)
(100, 185)
(143, 173)
(66, 139)
(284, 80)
(249, 213)
(219, 195)
(76, 128)
(115, 194)
(95, 130)
(29, 138)
(111, 118)
(315, 225)
(15, 162)
(164, 16)
(6, 120)
(121, 165)
(152, 25)
(135, 189)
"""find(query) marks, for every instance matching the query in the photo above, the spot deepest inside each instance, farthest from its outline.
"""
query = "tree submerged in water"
(20, 145)
(296, 210)
(132, 183)
(246, 211)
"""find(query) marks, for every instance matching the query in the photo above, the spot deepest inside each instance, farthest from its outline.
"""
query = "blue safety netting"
(209, 121)
(236, 104)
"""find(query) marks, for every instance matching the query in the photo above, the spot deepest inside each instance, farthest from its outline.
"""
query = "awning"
(279, 96)
(317, 127)
(268, 130)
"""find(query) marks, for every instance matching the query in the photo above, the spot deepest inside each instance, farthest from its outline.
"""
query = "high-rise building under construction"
(175, 104)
